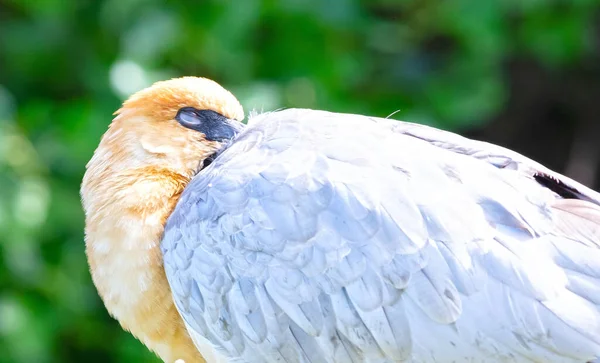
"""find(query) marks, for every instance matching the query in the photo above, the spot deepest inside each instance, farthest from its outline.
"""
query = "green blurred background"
(521, 73)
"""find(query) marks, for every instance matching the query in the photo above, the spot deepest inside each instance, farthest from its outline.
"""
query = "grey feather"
(325, 238)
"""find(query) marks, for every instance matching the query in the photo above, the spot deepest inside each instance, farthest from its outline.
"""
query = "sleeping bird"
(307, 236)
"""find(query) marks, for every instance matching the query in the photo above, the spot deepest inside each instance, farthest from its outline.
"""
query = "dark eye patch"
(213, 125)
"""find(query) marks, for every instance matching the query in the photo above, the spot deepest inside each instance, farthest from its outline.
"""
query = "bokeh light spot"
(127, 77)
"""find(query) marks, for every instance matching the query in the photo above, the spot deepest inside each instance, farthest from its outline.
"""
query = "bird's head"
(156, 143)
(174, 125)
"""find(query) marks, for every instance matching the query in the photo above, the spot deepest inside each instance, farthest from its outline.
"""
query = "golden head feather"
(163, 99)
(132, 183)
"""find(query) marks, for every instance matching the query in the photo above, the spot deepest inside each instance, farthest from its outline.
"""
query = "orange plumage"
(131, 185)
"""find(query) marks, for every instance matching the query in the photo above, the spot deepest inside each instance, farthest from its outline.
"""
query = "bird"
(317, 237)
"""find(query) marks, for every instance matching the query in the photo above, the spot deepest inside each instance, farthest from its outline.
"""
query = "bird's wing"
(320, 237)
(498, 156)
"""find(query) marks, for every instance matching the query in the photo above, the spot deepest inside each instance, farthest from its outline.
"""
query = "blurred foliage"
(66, 65)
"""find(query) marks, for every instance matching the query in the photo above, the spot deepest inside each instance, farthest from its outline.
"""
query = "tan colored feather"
(578, 219)
(131, 185)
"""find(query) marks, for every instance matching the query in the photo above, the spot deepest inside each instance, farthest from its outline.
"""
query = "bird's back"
(322, 237)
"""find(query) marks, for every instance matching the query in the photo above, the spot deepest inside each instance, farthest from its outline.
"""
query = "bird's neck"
(125, 216)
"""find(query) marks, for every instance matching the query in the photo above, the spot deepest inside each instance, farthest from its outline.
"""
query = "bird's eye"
(213, 125)
(189, 117)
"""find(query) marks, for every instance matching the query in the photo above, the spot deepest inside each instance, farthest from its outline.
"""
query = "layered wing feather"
(320, 237)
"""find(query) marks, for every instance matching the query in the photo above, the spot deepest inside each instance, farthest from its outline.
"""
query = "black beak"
(227, 130)
(224, 133)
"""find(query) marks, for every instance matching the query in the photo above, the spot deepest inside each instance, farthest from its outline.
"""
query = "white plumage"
(321, 237)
